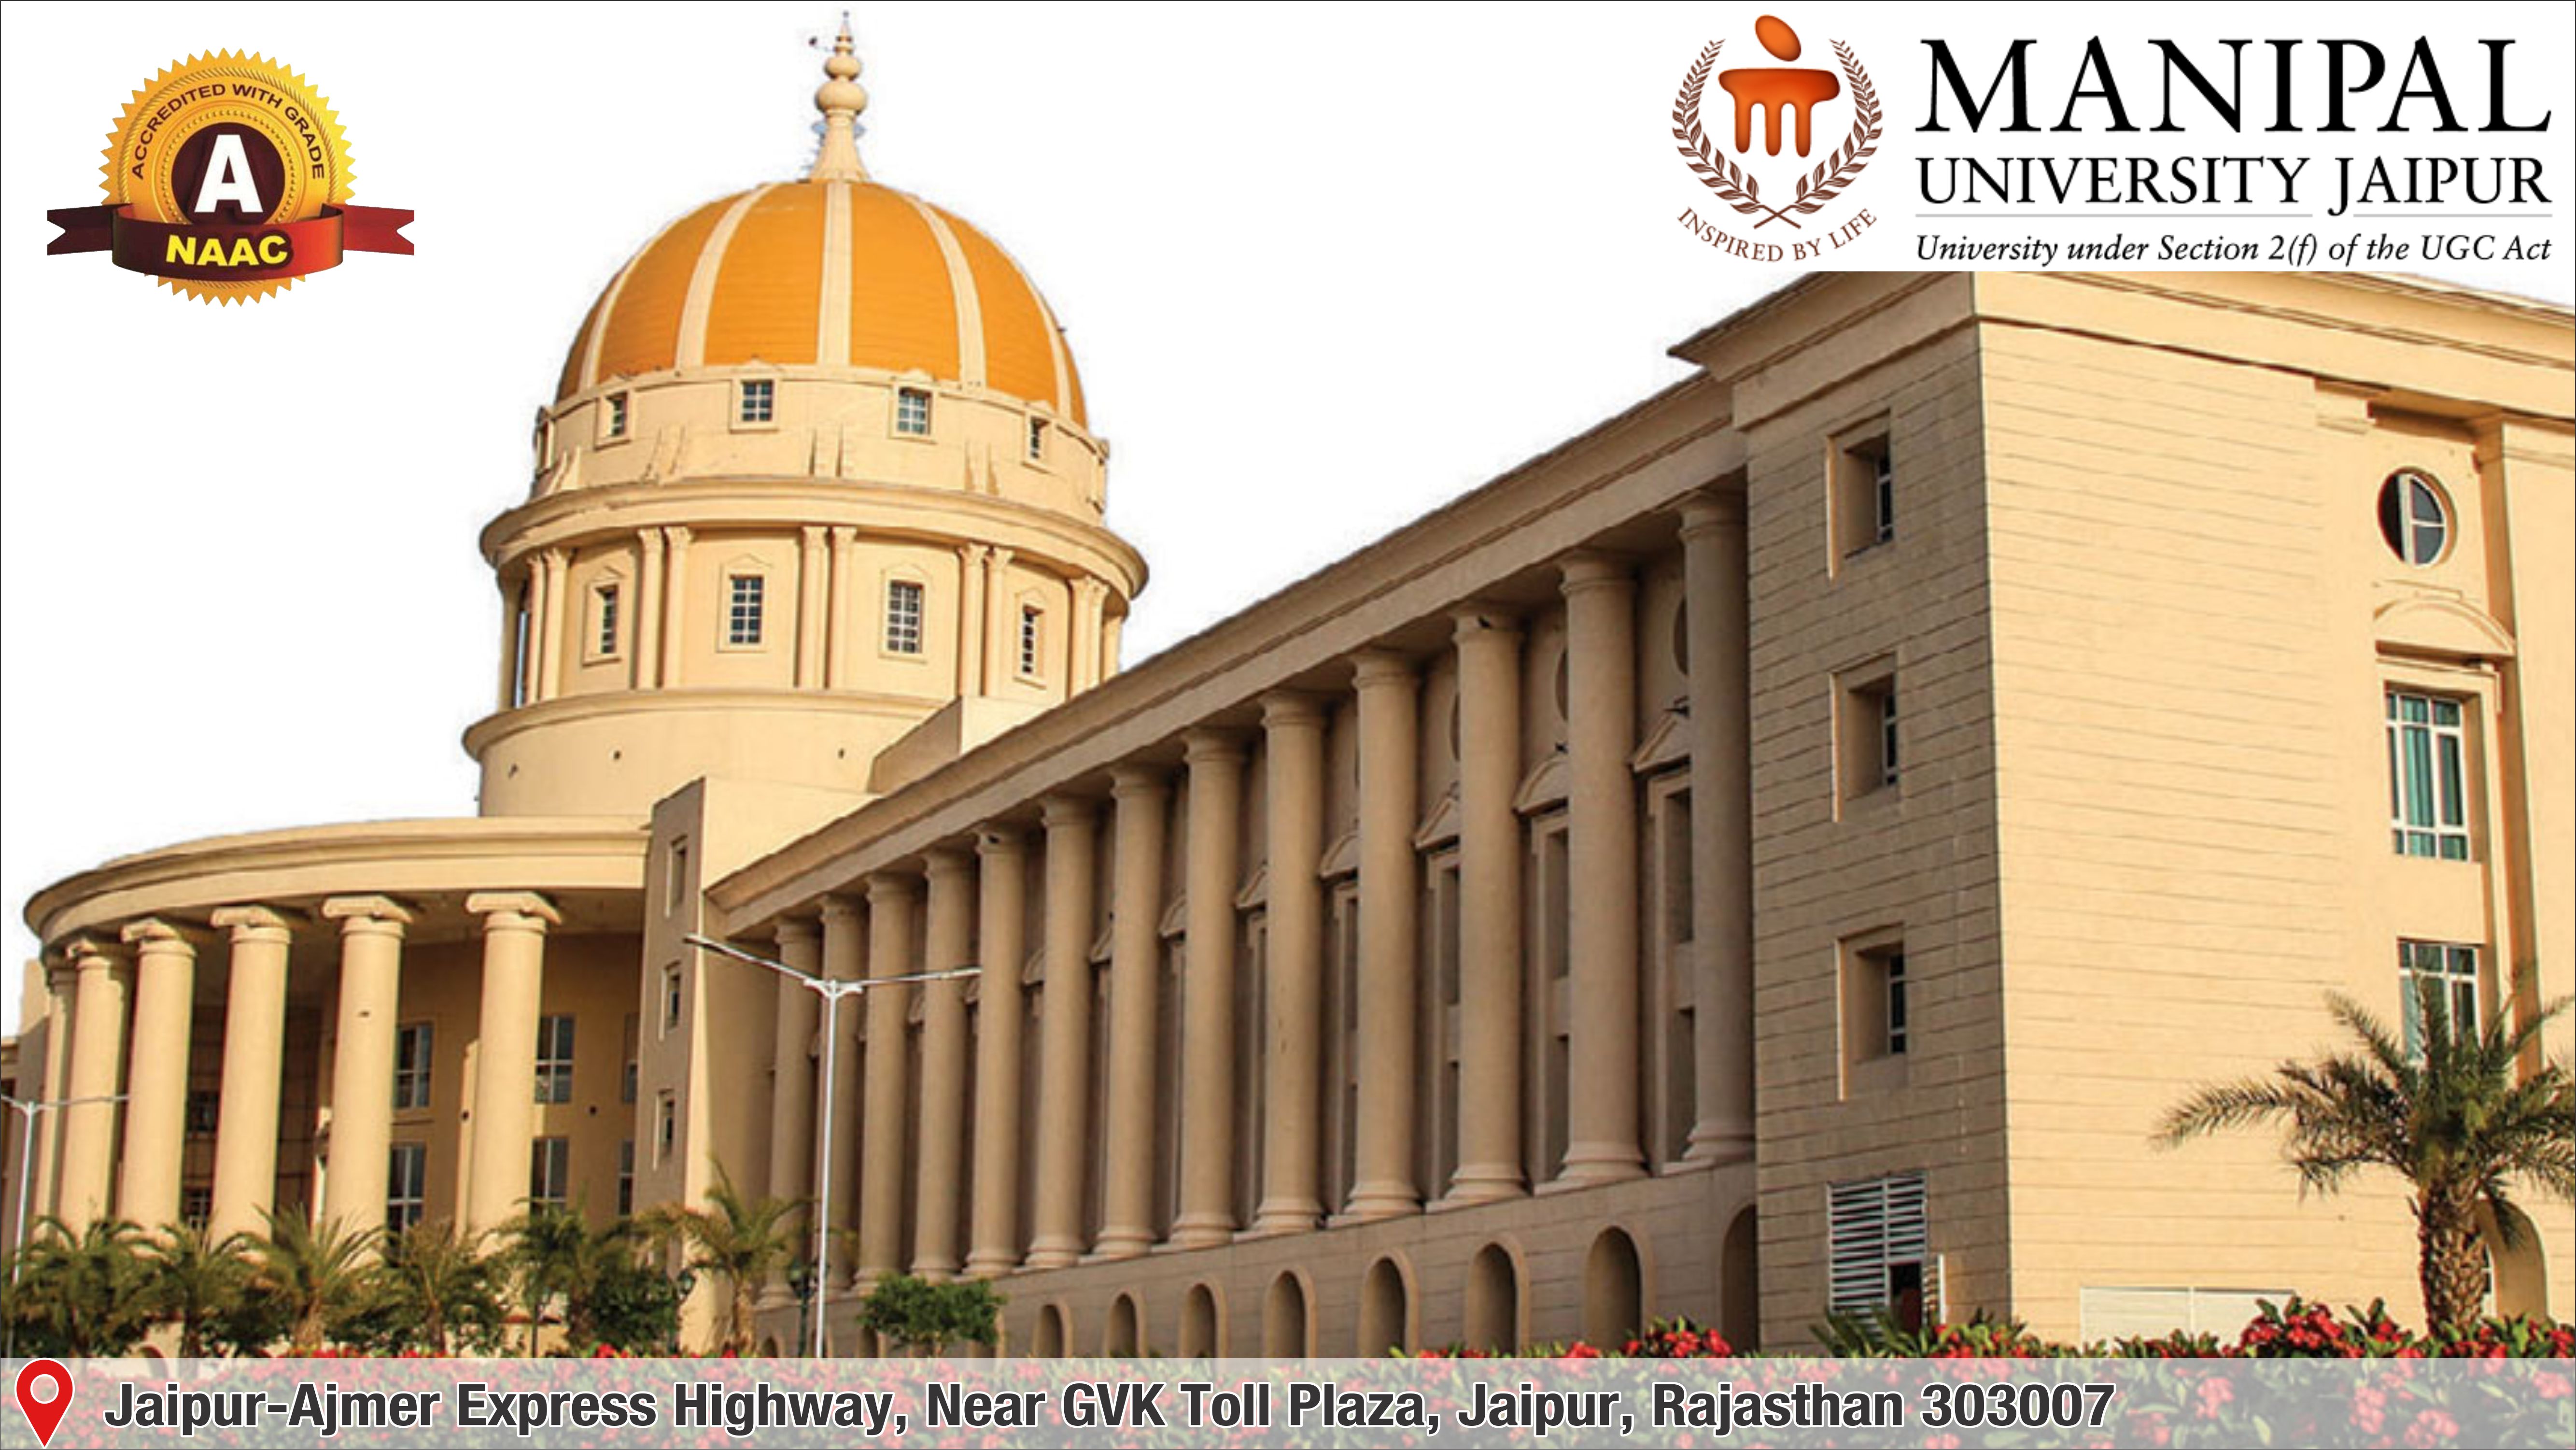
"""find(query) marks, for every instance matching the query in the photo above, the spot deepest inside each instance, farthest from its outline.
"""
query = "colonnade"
(973, 893)
(126, 1009)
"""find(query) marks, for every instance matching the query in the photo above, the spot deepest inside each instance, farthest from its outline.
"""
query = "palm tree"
(744, 1240)
(319, 1274)
(84, 1294)
(439, 1273)
(2452, 1114)
(553, 1253)
(197, 1278)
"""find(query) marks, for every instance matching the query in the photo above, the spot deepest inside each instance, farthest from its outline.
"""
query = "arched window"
(1739, 1283)
(1055, 1333)
(1384, 1306)
(1125, 1336)
(1284, 1319)
(1614, 1290)
(1200, 1321)
(1493, 1301)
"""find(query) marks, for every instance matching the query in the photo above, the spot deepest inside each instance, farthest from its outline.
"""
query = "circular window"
(2412, 517)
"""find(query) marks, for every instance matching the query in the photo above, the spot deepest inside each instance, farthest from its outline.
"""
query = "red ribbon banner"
(228, 252)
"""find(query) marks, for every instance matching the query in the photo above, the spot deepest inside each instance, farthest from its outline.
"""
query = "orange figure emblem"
(1776, 89)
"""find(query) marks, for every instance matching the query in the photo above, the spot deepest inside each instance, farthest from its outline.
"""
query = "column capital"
(841, 908)
(252, 923)
(1090, 588)
(363, 915)
(1379, 668)
(998, 838)
(885, 888)
(1133, 780)
(1068, 810)
(948, 864)
(83, 953)
(1210, 743)
(973, 555)
(1002, 556)
(1709, 510)
(1584, 569)
(153, 936)
(799, 929)
(513, 911)
(1291, 709)
(1479, 619)
(676, 535)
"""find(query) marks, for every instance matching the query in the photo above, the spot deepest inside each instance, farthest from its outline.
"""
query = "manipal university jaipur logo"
(227, 178)
(1749, 176)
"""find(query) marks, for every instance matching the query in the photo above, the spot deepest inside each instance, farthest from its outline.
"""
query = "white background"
(1323, 267)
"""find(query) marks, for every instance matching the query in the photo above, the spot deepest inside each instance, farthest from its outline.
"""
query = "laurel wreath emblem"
(1739, 188)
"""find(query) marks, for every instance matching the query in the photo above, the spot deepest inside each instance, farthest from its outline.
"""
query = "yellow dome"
(830, 273)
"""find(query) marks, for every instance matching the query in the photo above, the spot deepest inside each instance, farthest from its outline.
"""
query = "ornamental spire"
(840, 99)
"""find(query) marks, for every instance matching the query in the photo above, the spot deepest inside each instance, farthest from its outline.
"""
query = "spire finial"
(840, 99)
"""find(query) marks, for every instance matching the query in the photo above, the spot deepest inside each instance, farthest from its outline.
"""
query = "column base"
(934, 1273)
(982, 1265)
(1117, 1244)
(1712, 1144)
(1486, 1184)
(1371, 1202)
(1202, 1231)
(1285, 1216)
(1054, 1253)
(1602, 1163)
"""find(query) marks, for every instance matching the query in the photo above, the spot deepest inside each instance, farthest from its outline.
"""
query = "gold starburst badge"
(228, 177)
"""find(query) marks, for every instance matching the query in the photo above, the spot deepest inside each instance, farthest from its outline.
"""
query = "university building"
(1781, 849)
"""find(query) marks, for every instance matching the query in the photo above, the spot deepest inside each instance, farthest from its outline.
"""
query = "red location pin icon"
(44, 1393)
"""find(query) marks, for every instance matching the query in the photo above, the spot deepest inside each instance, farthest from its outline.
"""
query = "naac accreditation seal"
(227, 178)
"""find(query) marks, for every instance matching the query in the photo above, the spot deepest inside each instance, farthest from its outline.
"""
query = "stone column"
(254, 1059)
(1721, 734)
(362, 1064)
(1144, 799)
(812, 589)
(62, 988)
(156, 1103)
(1390, 883)
(1214, 867)
(556, 569)
(97, 1072)
(889, 1009)
(1489, 901)
(646, 668)
(999, 648)
(836, 658)
(1293, 1099)
(1000, 948)
(1601, 839)
(1065, 1034)
(941, 1172)
(505, 1073)
(675, 609)
(845, 959)
(791, 1079)
(1112, 631)
(970, 618)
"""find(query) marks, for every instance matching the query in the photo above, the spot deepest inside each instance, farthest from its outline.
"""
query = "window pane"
(2419, 778)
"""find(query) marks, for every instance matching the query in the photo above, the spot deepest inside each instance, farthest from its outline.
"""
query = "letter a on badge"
(228, 179)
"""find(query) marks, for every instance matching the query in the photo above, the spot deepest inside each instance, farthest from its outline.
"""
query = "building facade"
(1779, 850)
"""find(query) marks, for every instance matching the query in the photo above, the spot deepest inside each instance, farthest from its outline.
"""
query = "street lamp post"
(32, 1109)
(831, 992)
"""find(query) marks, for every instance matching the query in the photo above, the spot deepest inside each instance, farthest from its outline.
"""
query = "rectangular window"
(1866, 750)
(1891, 974)
(2428, 776)
(1877, 1012)
(626, 1082)
(671, 998)
(615, 424)
(666, 1127)
(406, 1186)
(196, 1206)
(675, 878)
(522, 664)
(903, 617)
(743, 595)
(604, 615)
(1037, 440)
(625, 1178)
(1032, 635)
(759, 401)
(205, 1110)
(1864, 494)
(1880, 1237)
(554, 1059)
(2447, 971)
(912, 412)
(550, 1170)
(412, 1041)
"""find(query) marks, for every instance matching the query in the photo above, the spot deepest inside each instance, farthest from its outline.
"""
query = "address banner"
(1383, 1402)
